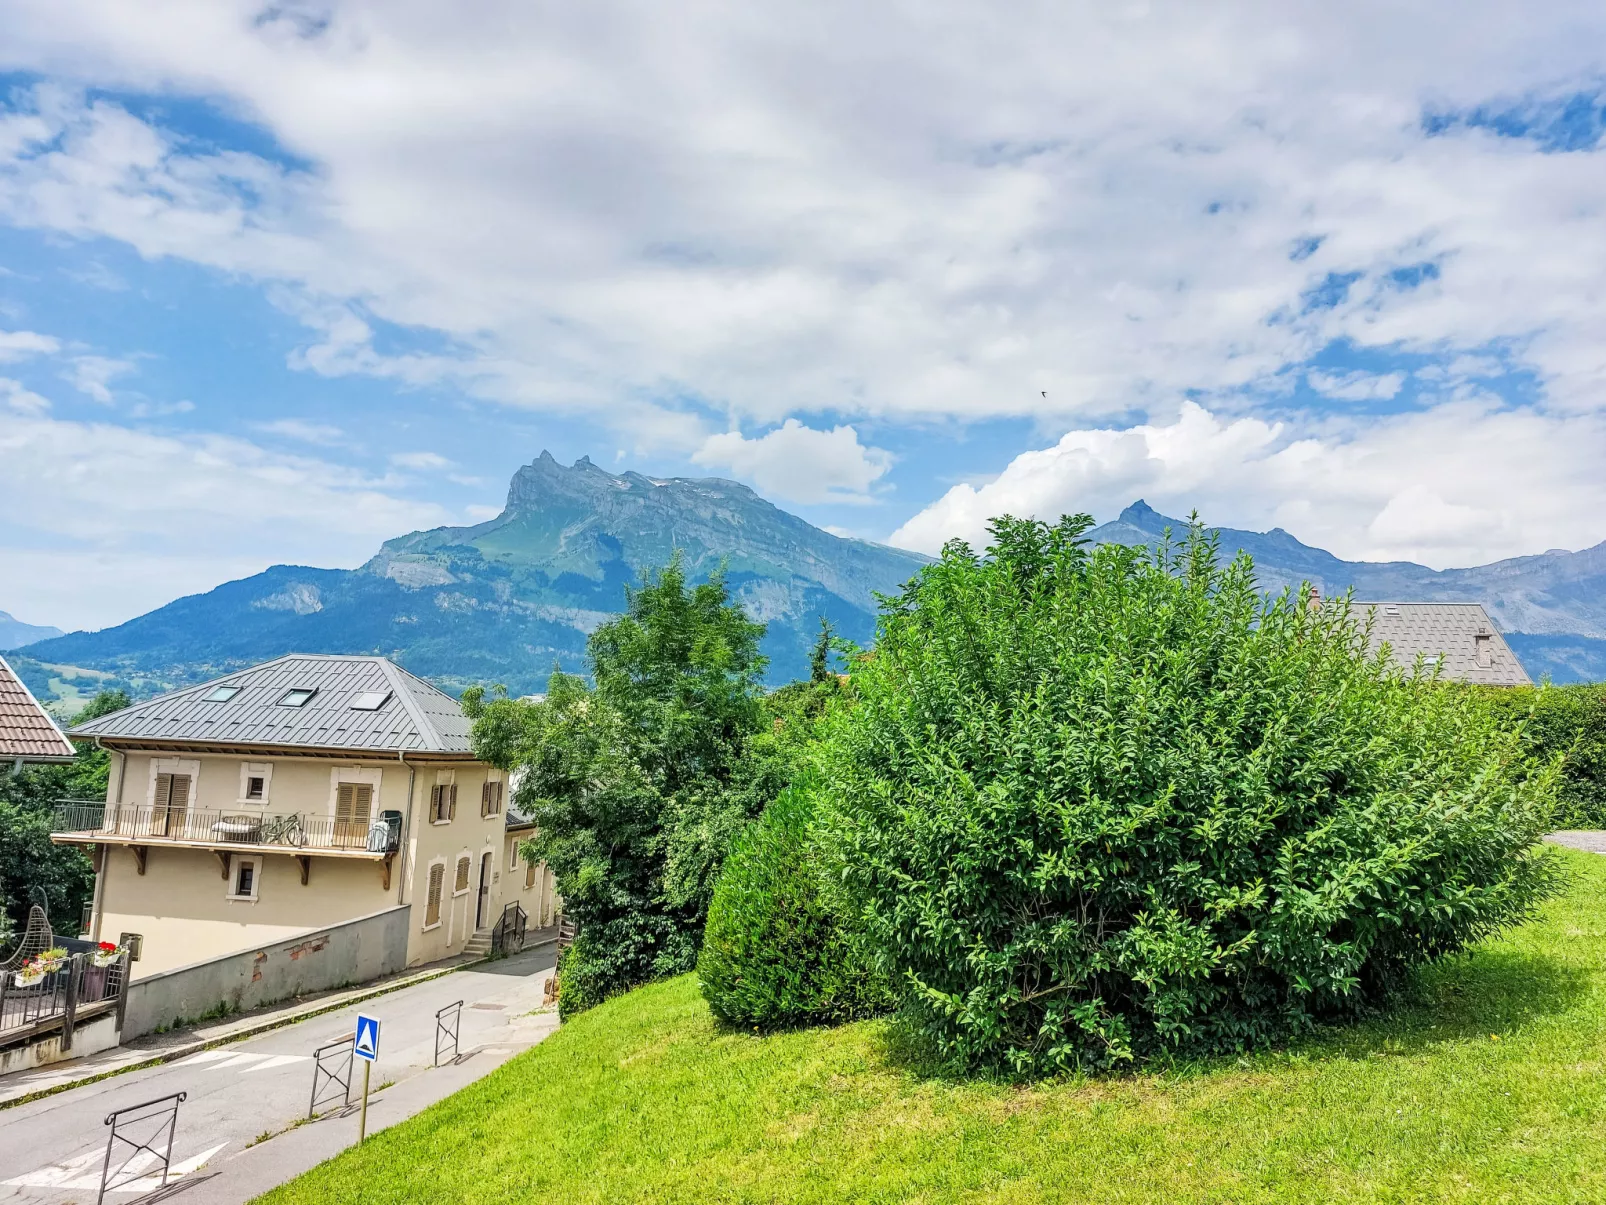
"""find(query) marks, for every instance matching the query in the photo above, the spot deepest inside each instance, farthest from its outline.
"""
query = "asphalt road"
(241, 1096)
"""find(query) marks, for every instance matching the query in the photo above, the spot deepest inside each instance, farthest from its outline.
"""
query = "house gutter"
(407, 824)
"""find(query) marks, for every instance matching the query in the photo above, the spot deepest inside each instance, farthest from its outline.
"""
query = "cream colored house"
(297, 794)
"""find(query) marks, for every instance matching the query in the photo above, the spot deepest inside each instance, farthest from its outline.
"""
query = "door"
(484, 904)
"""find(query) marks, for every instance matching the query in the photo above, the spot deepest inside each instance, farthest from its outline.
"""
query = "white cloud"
(94, 374)
(799, 463)
(1410, 487)
(18, 345)
(21, 399)
(95, 503)
(1357, 386)
(420, 460)
(299, 429)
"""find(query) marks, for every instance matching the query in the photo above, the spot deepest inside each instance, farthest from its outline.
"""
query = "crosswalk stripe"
(278, 1060)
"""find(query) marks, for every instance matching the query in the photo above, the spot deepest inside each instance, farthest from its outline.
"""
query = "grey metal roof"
(1447, 630)
(28, 733)
(414, 718)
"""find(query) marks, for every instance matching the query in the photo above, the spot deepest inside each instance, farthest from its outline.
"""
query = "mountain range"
(14, 633)
(505, 600)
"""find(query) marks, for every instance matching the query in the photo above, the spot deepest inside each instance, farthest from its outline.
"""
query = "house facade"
(295, 795)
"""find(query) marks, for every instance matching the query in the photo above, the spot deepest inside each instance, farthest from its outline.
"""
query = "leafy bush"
(778, 950)
(1101, 806)
(1566, 722)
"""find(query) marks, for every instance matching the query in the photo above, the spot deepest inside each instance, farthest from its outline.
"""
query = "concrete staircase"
(479, 945)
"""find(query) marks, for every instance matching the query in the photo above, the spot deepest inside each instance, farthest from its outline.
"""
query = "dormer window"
(370, 700)
(220, 694)
(300, 696)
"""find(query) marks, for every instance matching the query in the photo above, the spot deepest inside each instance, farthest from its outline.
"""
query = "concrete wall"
(311, 961)
(88, 1037)
(182, 909)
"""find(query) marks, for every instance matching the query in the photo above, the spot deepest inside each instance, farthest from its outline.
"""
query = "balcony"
(82, 822)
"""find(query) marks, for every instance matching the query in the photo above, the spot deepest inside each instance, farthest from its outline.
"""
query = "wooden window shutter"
(529, 875)
(432, 906)
(435, 803)
(496, 801)
(451, 808)
(344, 802)
(462, 875)
(164, 790)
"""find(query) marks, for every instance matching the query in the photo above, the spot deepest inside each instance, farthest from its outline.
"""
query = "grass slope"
(1490, 1089)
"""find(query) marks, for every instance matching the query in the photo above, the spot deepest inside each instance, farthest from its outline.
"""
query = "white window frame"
(256, 769)
(371, 776)
(255, 862)
(175, 765)
(440, 919)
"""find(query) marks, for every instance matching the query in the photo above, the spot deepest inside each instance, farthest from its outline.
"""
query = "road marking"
(84, 1171)
(240, 1060)
(206, 1056)
(278, 1060)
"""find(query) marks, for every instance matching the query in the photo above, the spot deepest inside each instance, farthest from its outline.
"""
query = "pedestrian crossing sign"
(366, 1043)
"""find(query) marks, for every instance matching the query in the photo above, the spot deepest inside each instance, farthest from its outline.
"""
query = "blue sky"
(278, 282)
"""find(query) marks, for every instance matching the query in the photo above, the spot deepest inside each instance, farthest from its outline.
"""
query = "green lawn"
(1492, 1090)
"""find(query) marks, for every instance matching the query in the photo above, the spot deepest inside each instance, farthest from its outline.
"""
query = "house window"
(491, 799)
(529, 875)
(245, 878)
(170, 805)
(254, 786)
(461, 883)
(354, 806)
(255, 778)
(432, 902)
(300, 696)
(443, 802)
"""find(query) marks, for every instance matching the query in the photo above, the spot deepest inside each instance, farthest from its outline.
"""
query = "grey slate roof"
(1449, 630)
(27, 731)
(414, 718)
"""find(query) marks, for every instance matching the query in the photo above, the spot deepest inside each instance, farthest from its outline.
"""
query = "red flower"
(108, 946)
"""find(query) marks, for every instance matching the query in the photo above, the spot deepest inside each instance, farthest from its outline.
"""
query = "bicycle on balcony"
(285, 830)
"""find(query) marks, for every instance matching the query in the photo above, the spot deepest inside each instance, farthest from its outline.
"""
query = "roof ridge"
(42, 709)
(405, 694)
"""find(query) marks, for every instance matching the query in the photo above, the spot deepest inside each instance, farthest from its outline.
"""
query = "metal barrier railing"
(331, 1067)
(60, 994)
(284, 830)
(507, 936)
(447, 1029)
(150, 1120)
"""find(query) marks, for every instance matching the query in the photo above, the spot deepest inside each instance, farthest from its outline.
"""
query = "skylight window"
(220, 694)
(298, 697)
(370, 700)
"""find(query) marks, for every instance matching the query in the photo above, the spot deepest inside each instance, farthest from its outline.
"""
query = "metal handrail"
(284, 830)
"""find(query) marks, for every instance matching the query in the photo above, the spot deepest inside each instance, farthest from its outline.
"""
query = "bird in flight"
(1045, 393)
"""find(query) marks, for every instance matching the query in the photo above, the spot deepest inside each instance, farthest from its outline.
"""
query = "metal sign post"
(365, 1046)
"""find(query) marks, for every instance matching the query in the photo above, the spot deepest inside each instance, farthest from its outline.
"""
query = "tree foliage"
(638, 783)
(31, 865)
(1101, 805)
(1569, 723)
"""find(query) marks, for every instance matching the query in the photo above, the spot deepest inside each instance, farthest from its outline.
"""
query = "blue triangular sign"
(366, 1043)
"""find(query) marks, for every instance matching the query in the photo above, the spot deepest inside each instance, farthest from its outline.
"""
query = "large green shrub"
(1103, 805)
(1566, 722)
(779, 949)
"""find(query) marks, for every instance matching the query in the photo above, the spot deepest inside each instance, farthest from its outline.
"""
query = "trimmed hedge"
(776, 951)
(1566, 722)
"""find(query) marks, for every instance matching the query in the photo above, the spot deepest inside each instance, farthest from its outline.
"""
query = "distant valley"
(505, 600)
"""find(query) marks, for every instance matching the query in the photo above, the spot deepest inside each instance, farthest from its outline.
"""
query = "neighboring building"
(293, 795)
(1457, 635)
(28, 734)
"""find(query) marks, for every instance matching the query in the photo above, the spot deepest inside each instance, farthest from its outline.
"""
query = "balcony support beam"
(223, 856)
(139, 856)
(306, 867)
(384, 868)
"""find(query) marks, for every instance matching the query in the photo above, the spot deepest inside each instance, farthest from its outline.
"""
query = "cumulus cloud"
(166, 515)
(21, 399)
(1357, 386)
(420, 460)
(799, 463)
(19, 345)
(94, 374)
(299, 429)
(1410, 487)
